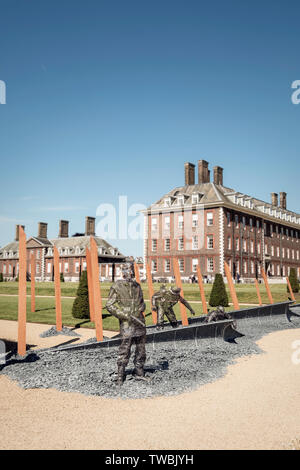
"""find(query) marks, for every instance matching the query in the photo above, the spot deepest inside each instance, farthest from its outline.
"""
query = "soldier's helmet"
(175, 290)
(127, 271)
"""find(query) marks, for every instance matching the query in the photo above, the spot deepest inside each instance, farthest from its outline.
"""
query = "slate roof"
(212, 194)
(75, 246)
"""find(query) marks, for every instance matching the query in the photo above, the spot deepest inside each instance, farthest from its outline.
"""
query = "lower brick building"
(208, 223)
(72, 253)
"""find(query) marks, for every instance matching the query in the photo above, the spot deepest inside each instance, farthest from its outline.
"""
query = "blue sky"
(111, 98)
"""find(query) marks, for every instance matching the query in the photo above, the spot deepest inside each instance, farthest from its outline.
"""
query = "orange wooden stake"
(96, 290)
(137, 273)
(151, 291)
(258, 292)
(231, 287)
(32, 283)
(201, 287)
(22, 294)
(57, 290)
(290, 289)
(179, 284)
(263, 273)
(90, 284)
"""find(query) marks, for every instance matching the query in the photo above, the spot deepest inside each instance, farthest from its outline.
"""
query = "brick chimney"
(218, 175)
(17, 231)
(63, 229)
(189, 174)
(90, 225)
(203, 172)
(42, 230)
(282, 203)
(274, 199)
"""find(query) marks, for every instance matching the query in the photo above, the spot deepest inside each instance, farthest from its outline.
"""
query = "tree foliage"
(218, 295)
(80, 307)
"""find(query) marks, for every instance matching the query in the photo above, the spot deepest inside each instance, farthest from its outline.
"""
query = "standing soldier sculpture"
(126, 302)
(163, 302)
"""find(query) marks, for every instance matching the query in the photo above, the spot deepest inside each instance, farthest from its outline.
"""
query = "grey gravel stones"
(53, 332)
(171, 368)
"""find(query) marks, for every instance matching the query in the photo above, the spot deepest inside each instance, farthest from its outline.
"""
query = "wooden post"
(57, 290)
(136, 273)
(267, 285)
(258, 292)
(22, 293)
(179, 284)
(32, 282)
(151, 291)
(290, 289)
(90, 284)
(96, 290)
(202, 293)
(231, 287)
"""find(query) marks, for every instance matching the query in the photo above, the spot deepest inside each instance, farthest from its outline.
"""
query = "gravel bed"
(53, 332)
(171, 368)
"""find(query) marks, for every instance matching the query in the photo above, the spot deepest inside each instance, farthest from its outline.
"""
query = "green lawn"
(45, 313)
(45, 307)
(246, 292)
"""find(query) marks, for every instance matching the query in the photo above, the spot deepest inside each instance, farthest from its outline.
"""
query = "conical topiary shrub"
(80, 307)
(293, 281)
(218, 295)
(61, 277)
(1, 277)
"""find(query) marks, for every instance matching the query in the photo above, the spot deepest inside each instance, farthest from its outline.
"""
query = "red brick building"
(208, 223)
(71, 251)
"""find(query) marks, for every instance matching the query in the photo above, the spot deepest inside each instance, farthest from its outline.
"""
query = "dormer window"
(180, 200)
(195, 198)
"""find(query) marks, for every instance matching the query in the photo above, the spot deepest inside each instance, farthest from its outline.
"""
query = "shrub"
(62, 279)
(218, 294)
(293, 281)
(1, 277)
(80, 307)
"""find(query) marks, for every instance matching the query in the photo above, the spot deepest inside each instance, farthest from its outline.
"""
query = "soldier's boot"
(174, 324)
(159, 326)
(139, 371)
(139, 374)
(121, 375)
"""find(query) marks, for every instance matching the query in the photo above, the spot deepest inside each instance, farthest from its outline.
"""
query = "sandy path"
(255, 406)
(9, 331)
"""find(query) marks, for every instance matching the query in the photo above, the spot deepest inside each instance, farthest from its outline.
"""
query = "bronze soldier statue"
(163, 302)
(218, 315)
(126, 302)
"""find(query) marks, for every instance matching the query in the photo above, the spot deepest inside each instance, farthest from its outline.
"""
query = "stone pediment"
(33, 243)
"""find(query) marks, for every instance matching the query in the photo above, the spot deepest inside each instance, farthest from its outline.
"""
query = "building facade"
(72, 254)
(207, 223)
